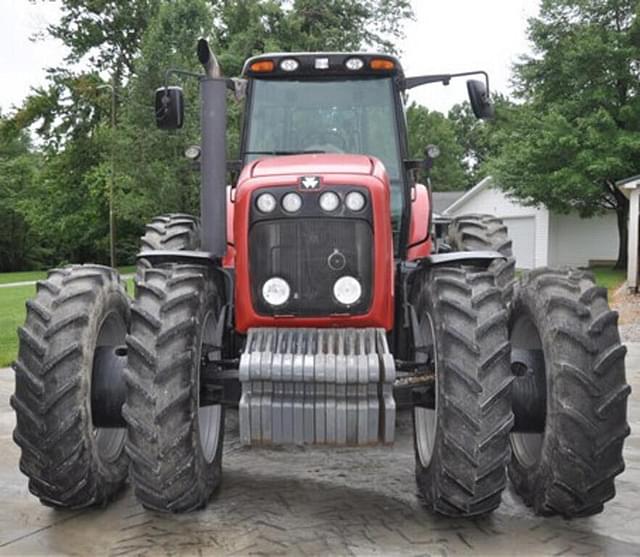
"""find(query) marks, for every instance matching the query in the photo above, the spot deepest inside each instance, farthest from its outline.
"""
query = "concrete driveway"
(314, 501)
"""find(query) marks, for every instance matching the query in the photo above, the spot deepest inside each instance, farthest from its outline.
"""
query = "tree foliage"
(577, 133)
(431, 127)
(56, 192)
(18, 171)
(481, 140)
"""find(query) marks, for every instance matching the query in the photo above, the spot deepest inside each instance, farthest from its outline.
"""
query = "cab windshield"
(355, 116)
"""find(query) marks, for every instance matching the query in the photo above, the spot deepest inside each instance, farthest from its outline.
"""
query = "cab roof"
(322, 64)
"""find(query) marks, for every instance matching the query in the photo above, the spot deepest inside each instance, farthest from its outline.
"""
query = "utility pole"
(112, 224)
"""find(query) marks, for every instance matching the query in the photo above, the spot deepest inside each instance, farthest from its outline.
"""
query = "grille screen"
(311, 254)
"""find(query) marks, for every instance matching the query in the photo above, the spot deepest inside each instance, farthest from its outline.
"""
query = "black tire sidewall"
(209, 471)
(581, 451)
(525, 478)
(112, 300)
(428, 477)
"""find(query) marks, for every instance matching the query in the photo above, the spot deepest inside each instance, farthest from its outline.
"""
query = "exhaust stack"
(213, 122)
(208, 59)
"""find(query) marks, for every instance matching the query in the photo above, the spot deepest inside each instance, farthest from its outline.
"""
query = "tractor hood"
(320, 164)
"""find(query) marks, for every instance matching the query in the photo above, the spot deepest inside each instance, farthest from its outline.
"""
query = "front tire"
(569, 468)
(69, 462)
(461, 435)
(175, 443)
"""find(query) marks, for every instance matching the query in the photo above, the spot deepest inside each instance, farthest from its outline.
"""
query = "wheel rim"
(210, 416)
(527, 447)
(426, 419)
(110, 441)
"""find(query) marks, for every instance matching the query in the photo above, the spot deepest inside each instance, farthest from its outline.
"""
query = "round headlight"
(289, 65)
(276, 291)
(355, 201)
(291, 202)
(354, 64)
(266, 203)
(329, 201)
(347, 290)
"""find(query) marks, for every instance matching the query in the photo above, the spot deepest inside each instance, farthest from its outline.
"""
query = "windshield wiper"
(276, 153)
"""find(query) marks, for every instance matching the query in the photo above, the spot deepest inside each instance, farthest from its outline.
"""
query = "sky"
(448, 36)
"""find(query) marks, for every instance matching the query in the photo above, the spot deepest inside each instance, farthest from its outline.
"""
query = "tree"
(431, 127)
(18, 171)
(156, 177)
(578, 133)
(118, 52)
(481, 140)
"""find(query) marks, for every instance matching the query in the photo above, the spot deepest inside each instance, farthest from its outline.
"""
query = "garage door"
(523, 235)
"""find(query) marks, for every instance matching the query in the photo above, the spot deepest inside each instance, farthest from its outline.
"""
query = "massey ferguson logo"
(310, 182)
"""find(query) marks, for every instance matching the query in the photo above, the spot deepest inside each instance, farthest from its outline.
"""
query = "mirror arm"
(237, 85)
(173, 71)
(411, 82)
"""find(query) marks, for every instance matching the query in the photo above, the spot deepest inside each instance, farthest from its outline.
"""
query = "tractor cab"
(317, 103)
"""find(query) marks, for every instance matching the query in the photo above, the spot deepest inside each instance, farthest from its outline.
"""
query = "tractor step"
(317, 386)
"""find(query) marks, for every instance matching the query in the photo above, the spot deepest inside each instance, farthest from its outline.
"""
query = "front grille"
(304, 253)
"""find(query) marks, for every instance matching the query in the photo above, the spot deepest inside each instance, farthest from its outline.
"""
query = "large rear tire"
(175, 443)
(461, 435)
(569, 468)
(173, 231)
(69, 462)
(486, 232)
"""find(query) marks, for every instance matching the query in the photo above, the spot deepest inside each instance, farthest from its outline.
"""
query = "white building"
(631, 188)
(540, 237)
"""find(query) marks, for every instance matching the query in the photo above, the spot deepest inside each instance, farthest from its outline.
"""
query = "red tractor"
(313, 282)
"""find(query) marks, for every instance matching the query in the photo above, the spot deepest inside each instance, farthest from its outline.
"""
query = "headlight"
(266, 203)
(329, 201)
(276, 291)
(291, 202)
(347, 290)
(355, 201)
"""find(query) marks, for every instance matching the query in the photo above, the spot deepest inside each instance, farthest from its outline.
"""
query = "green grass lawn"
(12, 313)
(23, 276)
(6, 278)
(11, 316)
(609, 278)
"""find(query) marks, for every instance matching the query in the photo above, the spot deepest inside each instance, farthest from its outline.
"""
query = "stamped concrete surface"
(314, 501)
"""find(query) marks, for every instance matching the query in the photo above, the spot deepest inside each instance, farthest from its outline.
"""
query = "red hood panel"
(325, 163)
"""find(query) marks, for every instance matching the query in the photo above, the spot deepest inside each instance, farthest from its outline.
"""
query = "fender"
(158, 257)
(479, 258)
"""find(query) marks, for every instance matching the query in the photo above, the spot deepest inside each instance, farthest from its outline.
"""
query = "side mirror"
(169, 108)
(479, 98)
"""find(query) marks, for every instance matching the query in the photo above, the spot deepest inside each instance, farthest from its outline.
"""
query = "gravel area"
(628, 307)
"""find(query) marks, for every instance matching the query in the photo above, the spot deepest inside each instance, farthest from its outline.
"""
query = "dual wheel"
(80, 328)
(556, 427)
(73, 452)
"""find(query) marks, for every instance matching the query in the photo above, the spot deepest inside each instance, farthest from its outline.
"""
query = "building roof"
(629, 181)
(628, 185)
(475, 190)
(443, 199)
